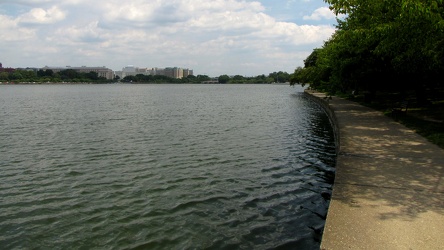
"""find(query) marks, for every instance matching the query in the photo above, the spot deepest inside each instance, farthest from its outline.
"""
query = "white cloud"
(86, 34)
(10, 31)
(41, 16)
(164, 13)
(321, 13)
(213, 37)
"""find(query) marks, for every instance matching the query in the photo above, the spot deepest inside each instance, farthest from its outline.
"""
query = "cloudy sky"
(213, 37)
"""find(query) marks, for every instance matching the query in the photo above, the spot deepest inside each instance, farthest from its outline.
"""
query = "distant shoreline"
(126, 83)
(48, 83)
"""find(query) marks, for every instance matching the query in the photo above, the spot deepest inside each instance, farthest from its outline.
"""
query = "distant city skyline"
(173, 72)
(105, 72)
(215, 37)
(134, 70)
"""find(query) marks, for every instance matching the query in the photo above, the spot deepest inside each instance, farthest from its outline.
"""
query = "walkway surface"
(389, 186)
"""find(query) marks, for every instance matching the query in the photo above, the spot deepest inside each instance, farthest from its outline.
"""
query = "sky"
(212, 37)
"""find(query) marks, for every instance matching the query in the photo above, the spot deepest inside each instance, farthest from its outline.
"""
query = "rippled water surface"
(162, 167)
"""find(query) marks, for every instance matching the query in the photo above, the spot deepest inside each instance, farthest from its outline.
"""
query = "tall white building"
(175, 72)
(129, 69)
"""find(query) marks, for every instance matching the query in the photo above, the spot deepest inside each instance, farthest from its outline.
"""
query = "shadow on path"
(389, 185)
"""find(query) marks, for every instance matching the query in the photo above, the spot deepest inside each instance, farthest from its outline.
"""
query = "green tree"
(69, 74)
(189, 79)
(202, 78)
(4, 76)
(260, 79)
(238, 79)
(380, 45)
(16, 75)
(280, 76)
(224, 79)
(92, 76)
(43, 73)
(129, 79)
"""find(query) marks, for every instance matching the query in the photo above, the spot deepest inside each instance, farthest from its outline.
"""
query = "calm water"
(162, 167)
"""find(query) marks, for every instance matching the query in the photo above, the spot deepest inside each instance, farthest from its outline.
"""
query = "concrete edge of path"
(389, 185)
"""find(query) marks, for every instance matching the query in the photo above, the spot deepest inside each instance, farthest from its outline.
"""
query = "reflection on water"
(162, 166)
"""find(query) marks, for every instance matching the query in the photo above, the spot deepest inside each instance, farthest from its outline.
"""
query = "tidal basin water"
(162, 167)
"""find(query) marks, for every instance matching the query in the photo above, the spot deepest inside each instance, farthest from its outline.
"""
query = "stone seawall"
(324, 102)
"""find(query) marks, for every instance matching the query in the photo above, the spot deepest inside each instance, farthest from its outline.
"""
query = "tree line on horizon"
(223, 79)
(43, 76)
(70, 75)
(389, 46)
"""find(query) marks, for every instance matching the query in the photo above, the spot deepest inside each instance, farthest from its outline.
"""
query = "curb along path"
(389, 185)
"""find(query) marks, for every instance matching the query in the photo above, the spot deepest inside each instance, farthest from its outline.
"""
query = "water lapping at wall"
(163, 166)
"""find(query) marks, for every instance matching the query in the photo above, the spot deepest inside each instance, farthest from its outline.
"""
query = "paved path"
(389, 186)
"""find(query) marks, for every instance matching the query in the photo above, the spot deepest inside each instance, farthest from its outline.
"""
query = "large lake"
(162, 167)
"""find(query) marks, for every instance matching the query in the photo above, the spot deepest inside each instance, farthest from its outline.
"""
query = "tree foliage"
(380, 45)
(68, 75)
(280, 76)
(223, 79)
(141, 78)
